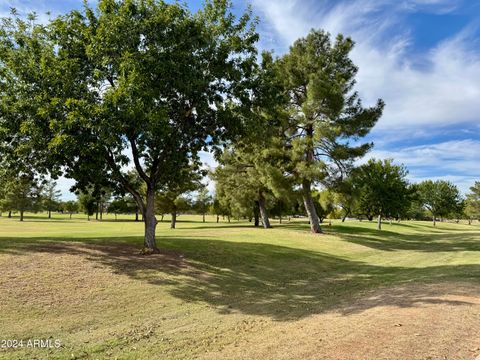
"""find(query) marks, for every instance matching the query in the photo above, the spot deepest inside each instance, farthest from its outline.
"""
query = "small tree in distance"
(440, 197)
(87, 203)
(51, 197)
(383, 189)
(71, 207)
(203, 201)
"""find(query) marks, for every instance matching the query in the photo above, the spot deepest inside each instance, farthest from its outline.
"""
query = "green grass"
(83, 282)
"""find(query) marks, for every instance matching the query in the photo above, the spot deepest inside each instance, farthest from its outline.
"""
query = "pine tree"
(50, 196)
(324, 112)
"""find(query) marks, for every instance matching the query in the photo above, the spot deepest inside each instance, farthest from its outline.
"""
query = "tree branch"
(136, 161)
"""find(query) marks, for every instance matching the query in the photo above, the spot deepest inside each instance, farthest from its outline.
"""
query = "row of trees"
(21, 193)
(24, 193)
(149, 84)
(378, 189)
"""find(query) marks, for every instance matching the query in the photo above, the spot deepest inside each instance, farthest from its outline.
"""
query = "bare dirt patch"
(435, 321)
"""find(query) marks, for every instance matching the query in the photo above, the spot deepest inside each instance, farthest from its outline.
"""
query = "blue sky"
(421, 56)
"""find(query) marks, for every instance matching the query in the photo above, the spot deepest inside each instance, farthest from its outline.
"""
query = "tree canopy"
(384, 190)
(440, 197)
(147, 78)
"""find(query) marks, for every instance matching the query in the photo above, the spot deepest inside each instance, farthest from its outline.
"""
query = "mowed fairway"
(232, 291)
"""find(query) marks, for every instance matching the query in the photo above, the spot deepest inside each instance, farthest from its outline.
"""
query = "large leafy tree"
(383, 189)
(324, 112)
(439, 197)
(139, 76)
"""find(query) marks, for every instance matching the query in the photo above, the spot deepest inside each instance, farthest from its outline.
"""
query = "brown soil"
(415, 321)
(438, 321)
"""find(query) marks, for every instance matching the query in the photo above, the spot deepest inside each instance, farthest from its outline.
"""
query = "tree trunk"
(263, 210)
(434, 220)
(149, 244)
(10, 214)
(228, 218)
(70, 216)
(161, 220)
(344, 217)
(136, 215)
(49, 214)
(21, 215)
(218, 219)
(280, 218)
(310, 208)
(256, 214)
(96, 214)
(115, 216)
(203, 217)
(174, 220)
(379, 227)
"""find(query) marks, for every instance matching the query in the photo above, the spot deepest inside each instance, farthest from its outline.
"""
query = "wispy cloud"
(451, 160)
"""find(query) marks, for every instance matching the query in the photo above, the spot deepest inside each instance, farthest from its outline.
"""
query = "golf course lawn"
(229, 290)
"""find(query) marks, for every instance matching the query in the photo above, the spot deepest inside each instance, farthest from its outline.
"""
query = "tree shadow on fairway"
(422, 238)
(280, 282)
(424, 242)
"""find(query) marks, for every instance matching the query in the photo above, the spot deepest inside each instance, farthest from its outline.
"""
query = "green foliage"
(70, 207)
(324, 111)
(203, 200)
(88, 203)
(324, 203)
(165, 204)
(20, 193)
(440, 197)
(472, 202)
(122, 205)
(240, 180)
(50, 196)
(383, 189)
(346, 196)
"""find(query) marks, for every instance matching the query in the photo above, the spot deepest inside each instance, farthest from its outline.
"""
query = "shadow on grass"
(280, 282)
(423, 238)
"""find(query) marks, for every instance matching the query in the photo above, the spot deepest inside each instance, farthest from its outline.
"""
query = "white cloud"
(64, 184)
(437, 88)
(456, 161)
